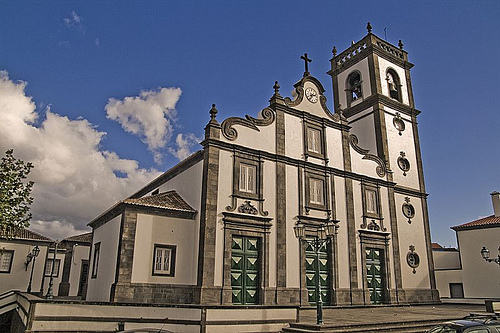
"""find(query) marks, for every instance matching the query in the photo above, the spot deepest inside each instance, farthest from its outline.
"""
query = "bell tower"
(372, 89)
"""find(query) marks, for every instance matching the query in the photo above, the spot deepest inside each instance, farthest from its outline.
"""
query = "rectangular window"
(314, 140)
(164, 260)
(316, 191)
(248, 178)
(95, 262)
(6, 257)
(371, 201)
(48, 267)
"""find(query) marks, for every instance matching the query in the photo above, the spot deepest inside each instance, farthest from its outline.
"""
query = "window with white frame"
(6, 257)
(48, 267)
(316, 195)
(314, 140)
(164, 260)
(371, 201)
(248, 178)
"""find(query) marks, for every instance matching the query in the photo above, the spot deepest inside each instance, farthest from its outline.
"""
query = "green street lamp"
(31, 257)
(324, 234)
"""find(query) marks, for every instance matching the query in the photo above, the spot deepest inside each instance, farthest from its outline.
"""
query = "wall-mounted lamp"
(486, 255)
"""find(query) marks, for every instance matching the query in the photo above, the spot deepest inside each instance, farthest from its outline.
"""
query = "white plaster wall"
(162, 230)
(188, 185)
(19, 277)
(80, 252)
(264, 139)
(223, 200)
(384, 201)
(294, 133)
(358, 217)
(412, 234)
(108, 234)
(270, 206)
(343, 248)
(383, 66)
(362, 67)
(444, 278)
(480, 278)
(56, 277)
(292, 243)
(446, 259)
(363, 127)
(398, 143)
(334, 148)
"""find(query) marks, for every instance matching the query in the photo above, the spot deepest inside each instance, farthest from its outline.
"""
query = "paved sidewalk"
(386, 314)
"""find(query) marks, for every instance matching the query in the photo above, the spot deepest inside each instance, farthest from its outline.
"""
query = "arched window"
(393, 85)
(354, 91)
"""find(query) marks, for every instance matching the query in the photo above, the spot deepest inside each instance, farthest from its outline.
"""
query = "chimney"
(495, 198)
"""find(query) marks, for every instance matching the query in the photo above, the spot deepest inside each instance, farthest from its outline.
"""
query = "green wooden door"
(245, 270)
(375, 275)
(315, 268)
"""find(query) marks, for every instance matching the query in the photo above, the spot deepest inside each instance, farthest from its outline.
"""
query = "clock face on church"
(311, 95)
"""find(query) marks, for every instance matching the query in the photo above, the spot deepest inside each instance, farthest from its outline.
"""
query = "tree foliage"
(15, 194)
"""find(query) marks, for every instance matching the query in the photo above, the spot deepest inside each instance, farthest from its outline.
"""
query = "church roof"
(485, 222)
(26, 234)
(166, 200)
(82, 238)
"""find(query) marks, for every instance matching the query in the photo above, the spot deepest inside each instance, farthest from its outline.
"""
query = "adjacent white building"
(463, 273)
(218, 228)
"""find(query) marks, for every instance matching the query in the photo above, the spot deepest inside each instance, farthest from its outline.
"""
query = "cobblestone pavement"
(381, 314)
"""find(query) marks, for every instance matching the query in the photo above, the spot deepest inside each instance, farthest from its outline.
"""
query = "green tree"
(15, 194)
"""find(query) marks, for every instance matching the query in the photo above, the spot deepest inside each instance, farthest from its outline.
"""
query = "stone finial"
(400, 44)
(334, 51)
(213, 114)
(369, 27)
(276, 88)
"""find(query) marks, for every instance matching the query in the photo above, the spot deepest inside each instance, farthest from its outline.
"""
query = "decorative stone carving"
(373, 225)
(398, 123)
(268, 117)
(381, 167)
(408, 210)
(247, 208)
(403, 163)
(412, 258)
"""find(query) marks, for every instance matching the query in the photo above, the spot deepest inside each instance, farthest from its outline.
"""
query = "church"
(222, 227)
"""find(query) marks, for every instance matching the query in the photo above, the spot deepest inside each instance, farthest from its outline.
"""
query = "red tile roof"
(166, 200)
(485, 222)
(27, 234)
(83, 238)
(436, 246)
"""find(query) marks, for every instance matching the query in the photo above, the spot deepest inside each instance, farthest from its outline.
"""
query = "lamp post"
(31, 256)
(486, 255)
(50, 291)
(324, 234)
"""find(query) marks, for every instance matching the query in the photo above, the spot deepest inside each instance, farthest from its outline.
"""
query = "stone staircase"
(379, 319)
(393, 327)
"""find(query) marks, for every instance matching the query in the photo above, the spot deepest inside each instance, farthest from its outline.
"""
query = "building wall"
(19, 276)
(444, 278)
(80, 252)
(480, 279)
(446, 259)
(108, 235)
(362, 67)
(384, 65)
(57, 277)
(161, 230)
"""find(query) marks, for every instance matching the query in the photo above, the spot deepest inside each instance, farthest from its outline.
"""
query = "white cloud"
(184, 145)
(74, 179)
(74, 21)
(149, 115)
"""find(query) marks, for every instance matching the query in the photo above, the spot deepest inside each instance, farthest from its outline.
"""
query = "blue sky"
(86, 64)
